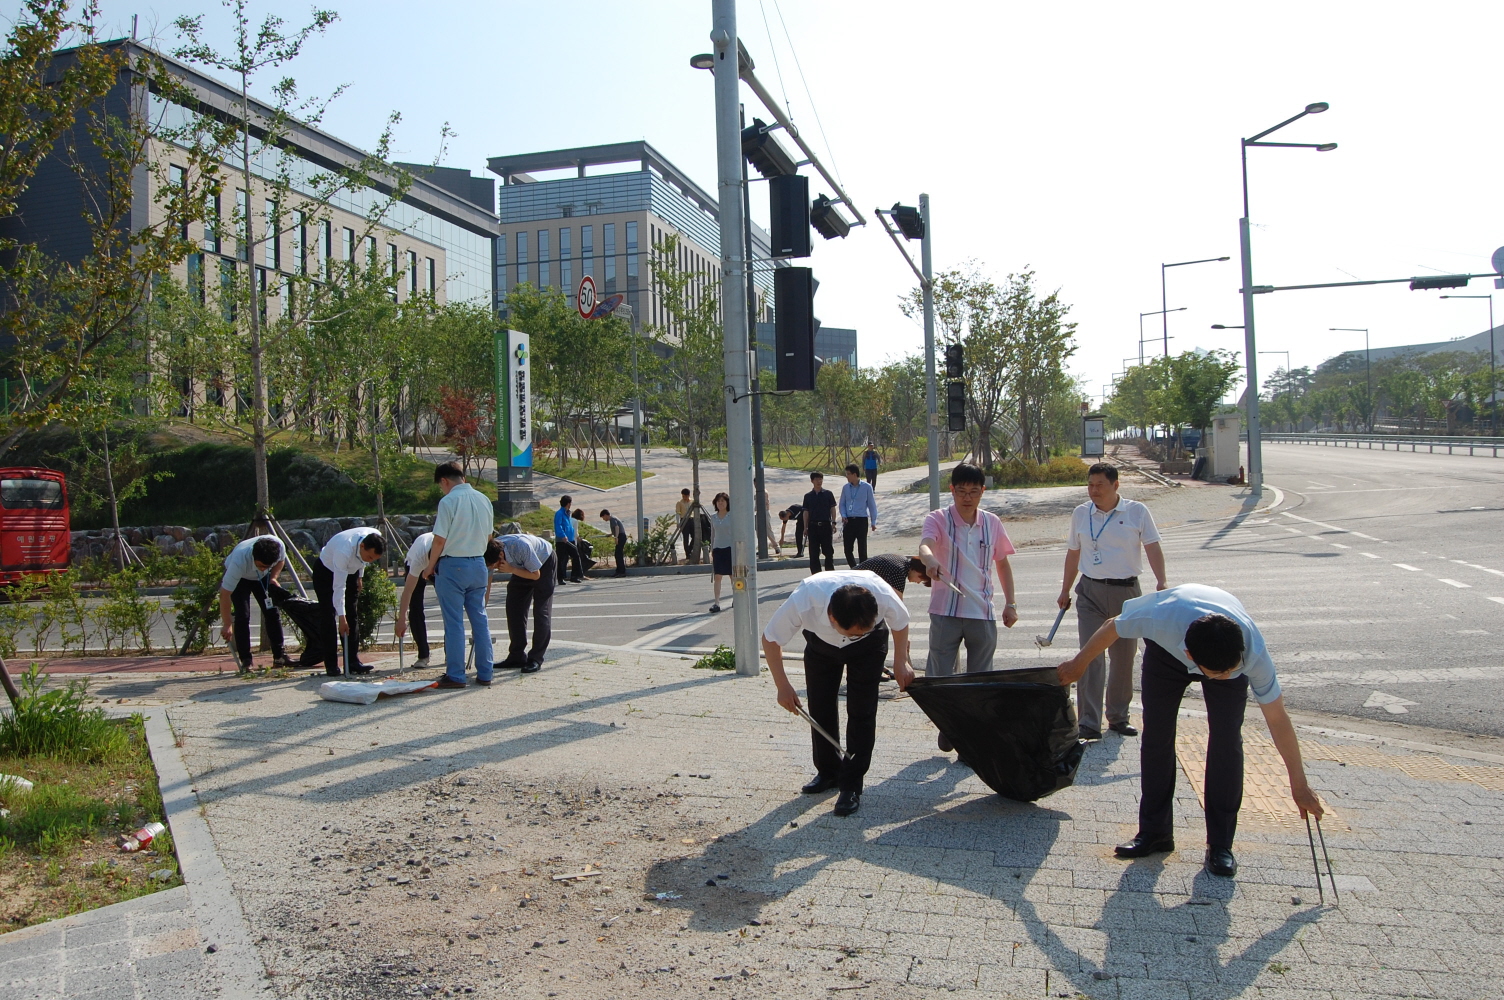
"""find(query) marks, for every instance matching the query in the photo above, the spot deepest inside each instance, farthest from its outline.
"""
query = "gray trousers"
(1095, 603)
(947, 632)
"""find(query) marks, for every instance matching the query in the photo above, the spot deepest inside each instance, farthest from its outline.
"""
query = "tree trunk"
(109, 481)
(258, 373)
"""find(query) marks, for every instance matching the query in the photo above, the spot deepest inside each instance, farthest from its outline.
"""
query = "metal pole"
(637, 444)
(1164, 311)
(1493, 378)
(930, 403)
(1368, 364)
(757, 474)
(1250, 347)
(734, 343)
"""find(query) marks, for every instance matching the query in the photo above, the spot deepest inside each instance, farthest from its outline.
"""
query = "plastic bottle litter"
(142, 837)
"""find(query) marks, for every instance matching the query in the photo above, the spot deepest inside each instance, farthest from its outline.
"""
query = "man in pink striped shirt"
(961, 546)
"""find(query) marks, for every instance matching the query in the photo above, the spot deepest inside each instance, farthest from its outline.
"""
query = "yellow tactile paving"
(1422, 766)
(1266, 787)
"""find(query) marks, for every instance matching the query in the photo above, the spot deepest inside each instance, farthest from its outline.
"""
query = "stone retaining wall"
(172, 539)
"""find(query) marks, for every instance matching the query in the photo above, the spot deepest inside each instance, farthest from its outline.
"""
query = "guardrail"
(1486, 446)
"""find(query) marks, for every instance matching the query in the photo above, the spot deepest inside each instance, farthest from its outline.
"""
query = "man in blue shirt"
(566, 540)
(1194, 633)
(858, 514)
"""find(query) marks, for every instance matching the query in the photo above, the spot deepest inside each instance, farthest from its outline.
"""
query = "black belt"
(1131, 581)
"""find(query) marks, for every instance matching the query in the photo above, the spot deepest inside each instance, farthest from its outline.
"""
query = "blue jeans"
(460, 583)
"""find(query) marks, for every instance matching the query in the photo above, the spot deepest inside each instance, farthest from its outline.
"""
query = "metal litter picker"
(821, 730)
(1045, 640)
(1331, 877)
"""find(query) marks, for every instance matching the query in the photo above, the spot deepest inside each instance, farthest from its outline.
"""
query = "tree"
(1035, 353)
(1198, 381)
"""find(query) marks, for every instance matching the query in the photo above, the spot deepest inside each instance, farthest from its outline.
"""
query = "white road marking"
(1496, 600)
(1485, 569)
(1413, 569)
(1368, 554)
(608, 604)
(1373, 678)
(1393, 704)
(1456, 583)
(1340, 545)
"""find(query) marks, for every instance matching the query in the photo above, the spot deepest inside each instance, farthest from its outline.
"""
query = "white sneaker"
(421, 663)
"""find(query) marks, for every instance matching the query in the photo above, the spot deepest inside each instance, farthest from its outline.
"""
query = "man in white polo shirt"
(336, 580)
(411, 612)
(1106, 535)
(457, 566)
(846, 617)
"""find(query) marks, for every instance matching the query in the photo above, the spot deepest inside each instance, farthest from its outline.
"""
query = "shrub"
(56, 724)
(657, 549)
(64, 607)
(196, 600)
(723, 657)
(128, 614)
(19, 613)
(378, 596)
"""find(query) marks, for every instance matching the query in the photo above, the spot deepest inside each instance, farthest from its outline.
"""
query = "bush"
(128, 614)
(378, 596)
(1059, 471)
(722, 658)
(657, 549)
(19, 612)
(196, 600)
(56, 724)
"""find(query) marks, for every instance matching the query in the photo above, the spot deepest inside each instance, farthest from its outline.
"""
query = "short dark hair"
(965, 474)
(817, 475)
(1103, 469)
(1215, 642)
(853, 607)
(374, 542)
(684, 493)
(566, 500)
(266, 550)
(448, 471)
(605, 513)
(721, 496)
(493, 552)
(578, 513)
(783, 514)
(915, 565)
(853, 469)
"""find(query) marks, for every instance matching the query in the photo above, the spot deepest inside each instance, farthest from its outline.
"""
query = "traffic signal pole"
(931, 403)
(737, 358)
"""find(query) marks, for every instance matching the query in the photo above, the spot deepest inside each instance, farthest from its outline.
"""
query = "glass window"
(243, 223)
(521, 257)
(608, 251)
(31, 494)
(273, 258)
(196, 276)
(227, 302)
(178, 178)
(566, 266)
(431, 274)
(412, 273)
(211, 224)
(499, 253)
(391, 268)
(543, 281)
(299, 252)
(371, 257)
(325, 250)
(587, 250)
(347, 247)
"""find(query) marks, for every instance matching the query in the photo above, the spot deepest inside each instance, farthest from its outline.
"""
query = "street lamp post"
(1164, 309)
(1493, 378)
(1141, 341)
(1367, 362)
(1250, 344)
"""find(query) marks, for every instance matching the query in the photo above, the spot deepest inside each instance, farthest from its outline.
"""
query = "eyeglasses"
(969, 492)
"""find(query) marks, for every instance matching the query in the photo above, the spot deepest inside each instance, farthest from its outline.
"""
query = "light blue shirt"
(525, 551)
(563, 525)
(465, 520)
(240, 564)
(1165, 615)
(858, 501)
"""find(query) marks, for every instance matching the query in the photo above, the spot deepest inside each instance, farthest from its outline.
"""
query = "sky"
(1088, 142)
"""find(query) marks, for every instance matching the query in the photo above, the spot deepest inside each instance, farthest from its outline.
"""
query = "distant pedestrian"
(586, 547)
(457, 567)
(686, 525)
(619, 537)
(793, 513)
(858, 515)
(337, 581)
(249, 568)
(720, 552)
(819, 509)
(411, 611)
(565, 542)
(870, 459)
(896, 570)
(765, 517)
(531, 562)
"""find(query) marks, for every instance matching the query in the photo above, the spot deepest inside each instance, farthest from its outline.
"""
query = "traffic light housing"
(794, 328)
(955, 405)
(763, 151)
(789, 215)
(908, 220)
(955, 361)
(827, 220)
(1438, 281)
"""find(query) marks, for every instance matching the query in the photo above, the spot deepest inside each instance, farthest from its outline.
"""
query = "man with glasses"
(846, 617)
(961, 546)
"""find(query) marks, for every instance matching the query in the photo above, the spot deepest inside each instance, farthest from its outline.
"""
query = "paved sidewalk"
(406, 849)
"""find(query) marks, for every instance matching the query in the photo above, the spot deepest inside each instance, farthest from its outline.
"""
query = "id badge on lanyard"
(1096, 533)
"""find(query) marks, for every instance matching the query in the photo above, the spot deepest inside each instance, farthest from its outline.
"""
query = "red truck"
(34, 527)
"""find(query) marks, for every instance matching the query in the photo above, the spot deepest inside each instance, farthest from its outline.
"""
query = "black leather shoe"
(1142, 847)
(847, 803)
(1219, 861)
(1123, 728)
(448, 683)
(820, 783)
(511, 665)
(944, 744)
(1090, 735)
(531, 668)
(361, 669)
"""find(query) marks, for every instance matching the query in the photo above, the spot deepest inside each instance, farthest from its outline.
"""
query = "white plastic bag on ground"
(366, 692)
(13, 784)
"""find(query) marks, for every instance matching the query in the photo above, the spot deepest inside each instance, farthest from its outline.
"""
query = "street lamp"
(1255, 452)
(1163, 301)
(1367, 363)
(1157, 312)
(1493, 383)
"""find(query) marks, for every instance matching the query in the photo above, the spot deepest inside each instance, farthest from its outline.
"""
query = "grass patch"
(1062, 470)
(602, 477)
(541, 521)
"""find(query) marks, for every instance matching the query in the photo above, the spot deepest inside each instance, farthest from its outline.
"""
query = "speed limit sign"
(586, 297)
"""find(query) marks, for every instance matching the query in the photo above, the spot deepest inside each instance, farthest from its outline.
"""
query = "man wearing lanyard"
(248, 568)
(457, 569)
(1105, 536)
(845, 617)
(1198, 634)
(858, 514)
(336, 581)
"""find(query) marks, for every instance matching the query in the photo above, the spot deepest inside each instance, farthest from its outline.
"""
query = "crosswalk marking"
(1456, 583)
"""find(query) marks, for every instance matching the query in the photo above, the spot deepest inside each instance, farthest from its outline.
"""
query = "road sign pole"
(931, 404)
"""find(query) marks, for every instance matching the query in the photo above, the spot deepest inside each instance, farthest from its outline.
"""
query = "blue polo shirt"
(564, 525)
(1164, 616)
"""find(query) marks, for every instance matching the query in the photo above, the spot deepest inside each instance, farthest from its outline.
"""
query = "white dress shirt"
(240, 564)
(341, 556)
(418, 553)
(808, 607)
(1111, 544)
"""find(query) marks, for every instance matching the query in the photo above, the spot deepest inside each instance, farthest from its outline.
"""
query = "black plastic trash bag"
(1015, 728)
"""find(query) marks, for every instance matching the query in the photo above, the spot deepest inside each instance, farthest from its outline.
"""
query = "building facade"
(832, 343)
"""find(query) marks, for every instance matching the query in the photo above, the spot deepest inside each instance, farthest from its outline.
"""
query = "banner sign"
(1093, 433)
(514, 402)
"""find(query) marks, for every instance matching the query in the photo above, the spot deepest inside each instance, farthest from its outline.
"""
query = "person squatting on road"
(530, 560)
(846, 618)
(1106, 534)
(858, 515)
(566, 542)
(720, 552)
(411, 612)
(819, 531)
(457, 568)
(339, 568)
(1194, 633)
(249, 567)
(960, 546)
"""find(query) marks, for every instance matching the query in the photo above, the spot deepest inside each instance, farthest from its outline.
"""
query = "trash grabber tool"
(401, 651)
(1044, 640)
(235, 656)
(1322, 837)
(1320, 892)
(821, 730)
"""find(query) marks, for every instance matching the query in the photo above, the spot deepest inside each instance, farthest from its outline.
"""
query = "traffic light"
(955, 405)
(794, 328)
(764, 152)
(789, 215)
(908, 220)
(827, 220)
(955, 361)
(1438, 281)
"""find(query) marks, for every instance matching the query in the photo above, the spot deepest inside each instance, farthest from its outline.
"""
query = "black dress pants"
(564, 552)
(240, 609)
(871, 476)
(798, 537)
(854, 532)
(862, 662)
(323, 586)
(621, 555)
(1165, 679)
(417, 617)
(539, 595)
(821, 540)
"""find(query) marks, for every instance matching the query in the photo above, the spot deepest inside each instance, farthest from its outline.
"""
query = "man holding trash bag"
(846, 616)
(1195, 633)
(337, 581)
(249, 567)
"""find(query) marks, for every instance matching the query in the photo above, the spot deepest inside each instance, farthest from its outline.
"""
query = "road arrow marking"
(1393, 704)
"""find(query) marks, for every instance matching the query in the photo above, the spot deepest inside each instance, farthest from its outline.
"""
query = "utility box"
(1226, 453)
